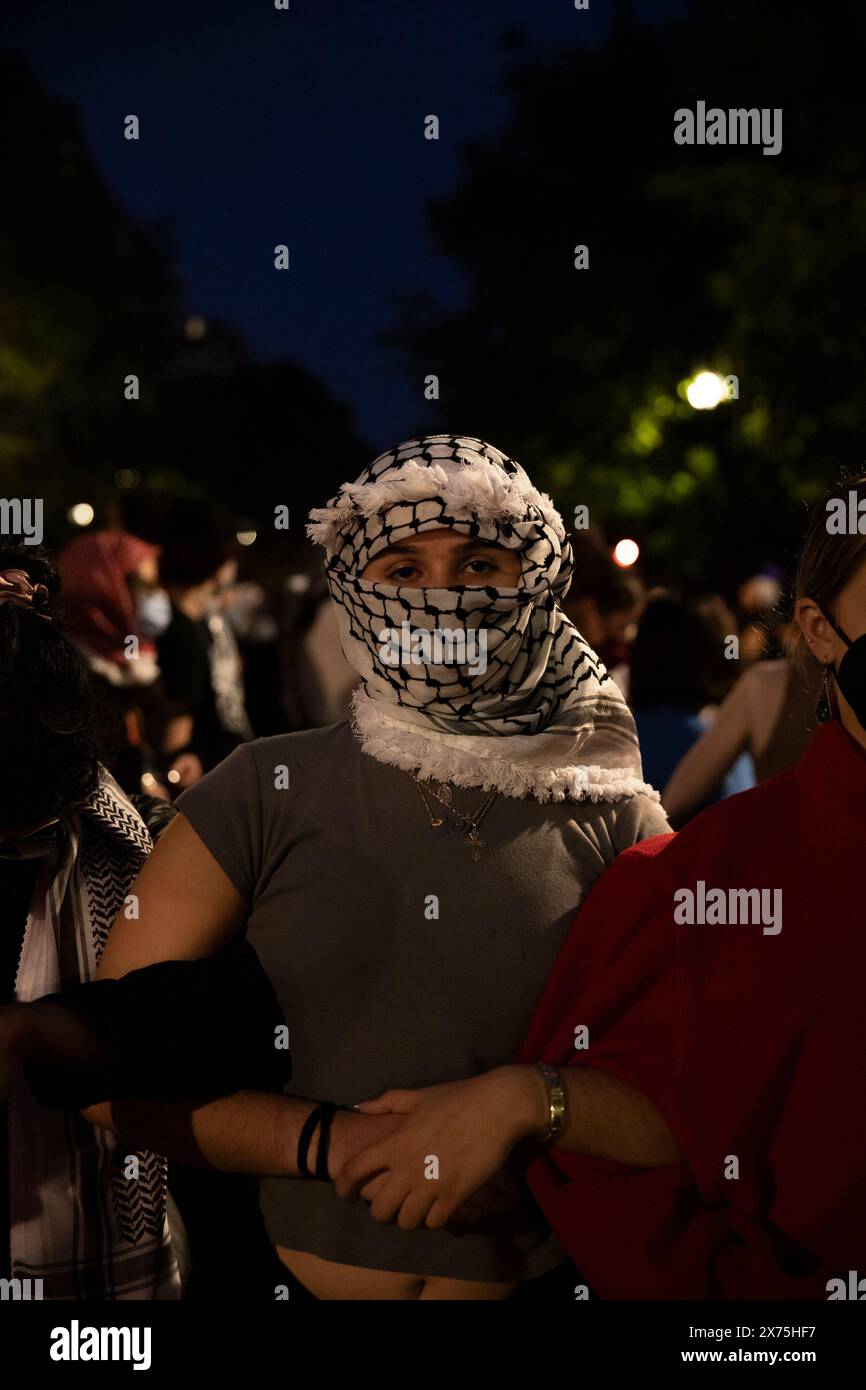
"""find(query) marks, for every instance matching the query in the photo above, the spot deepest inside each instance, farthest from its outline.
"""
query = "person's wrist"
(528, 1103)
(338, 1153)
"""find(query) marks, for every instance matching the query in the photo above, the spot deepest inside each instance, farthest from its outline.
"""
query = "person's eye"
(403, 573)
(486, 566)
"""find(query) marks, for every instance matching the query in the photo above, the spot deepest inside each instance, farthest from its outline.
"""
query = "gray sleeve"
(225, 811)
(638, 818)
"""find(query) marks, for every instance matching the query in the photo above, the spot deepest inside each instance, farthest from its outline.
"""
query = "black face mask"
(851, 671)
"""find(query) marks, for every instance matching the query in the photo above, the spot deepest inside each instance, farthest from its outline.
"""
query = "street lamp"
(706, 390)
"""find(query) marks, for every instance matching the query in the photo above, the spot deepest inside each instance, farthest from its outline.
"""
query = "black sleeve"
(176, 1030)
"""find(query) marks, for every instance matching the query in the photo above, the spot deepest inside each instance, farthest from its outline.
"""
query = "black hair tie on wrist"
(306, 1135)
(328, 1112)
(325, 1112)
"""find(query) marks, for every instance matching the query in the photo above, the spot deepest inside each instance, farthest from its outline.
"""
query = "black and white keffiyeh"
(84, 1220)
(543, 717)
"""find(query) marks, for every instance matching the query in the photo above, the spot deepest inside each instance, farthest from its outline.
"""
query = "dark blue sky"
(261, 126)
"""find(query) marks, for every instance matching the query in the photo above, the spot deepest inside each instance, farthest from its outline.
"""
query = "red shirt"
(751, 1041)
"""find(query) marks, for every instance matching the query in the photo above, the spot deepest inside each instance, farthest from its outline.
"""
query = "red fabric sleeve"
(623, 972)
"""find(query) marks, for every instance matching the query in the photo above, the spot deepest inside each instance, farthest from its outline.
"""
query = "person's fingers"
(440, 1213)
(386, 1205)
(416, 1206)
(369, 1190)
(359, 1169)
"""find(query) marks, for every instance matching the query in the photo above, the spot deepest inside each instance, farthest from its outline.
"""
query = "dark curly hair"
(54, 729)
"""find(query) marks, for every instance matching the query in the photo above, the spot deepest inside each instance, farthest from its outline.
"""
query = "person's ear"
(817, 632)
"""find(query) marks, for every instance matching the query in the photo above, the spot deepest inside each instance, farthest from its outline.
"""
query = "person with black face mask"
(850, 674)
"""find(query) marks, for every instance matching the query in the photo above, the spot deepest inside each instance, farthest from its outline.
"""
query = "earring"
(824, 712)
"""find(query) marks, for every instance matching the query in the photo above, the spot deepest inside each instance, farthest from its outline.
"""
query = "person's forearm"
(248, 1132)
(605, 1117)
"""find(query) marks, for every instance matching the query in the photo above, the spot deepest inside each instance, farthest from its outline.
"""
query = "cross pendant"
(477, 844)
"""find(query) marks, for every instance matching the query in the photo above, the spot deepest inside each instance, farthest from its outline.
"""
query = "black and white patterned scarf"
(543, 718)
(88, 1211)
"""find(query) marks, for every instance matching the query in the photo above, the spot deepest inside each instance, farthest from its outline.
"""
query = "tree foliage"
(714, 257)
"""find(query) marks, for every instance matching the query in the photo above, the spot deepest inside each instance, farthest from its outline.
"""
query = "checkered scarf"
(84, 1220)
(544, 717)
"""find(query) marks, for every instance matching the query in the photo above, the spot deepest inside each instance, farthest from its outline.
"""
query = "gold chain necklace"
(466, 826)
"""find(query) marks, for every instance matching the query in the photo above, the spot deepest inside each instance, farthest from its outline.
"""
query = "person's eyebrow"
(400, 548)
(474, 543)
(413, 548)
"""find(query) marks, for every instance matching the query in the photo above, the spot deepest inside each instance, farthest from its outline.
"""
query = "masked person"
(406, 881)
(719, 976)
(114, 609)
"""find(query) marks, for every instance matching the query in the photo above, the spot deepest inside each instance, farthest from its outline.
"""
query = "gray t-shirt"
(398, 960)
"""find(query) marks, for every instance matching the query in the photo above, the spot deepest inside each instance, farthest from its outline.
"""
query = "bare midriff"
(327, 1279)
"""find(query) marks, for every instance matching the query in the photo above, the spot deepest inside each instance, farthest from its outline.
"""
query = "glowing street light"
(625, 553)
(706, 390)
(81, 514)
(246, 537)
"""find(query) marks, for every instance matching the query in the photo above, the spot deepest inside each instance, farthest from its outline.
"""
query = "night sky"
(261, 126)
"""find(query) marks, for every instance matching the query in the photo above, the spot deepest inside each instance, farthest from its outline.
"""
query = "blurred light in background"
(298, 583)
(195, 328)
(173, 775)
(706, 390)
(81, 514)
(625, 553)
(246, 537)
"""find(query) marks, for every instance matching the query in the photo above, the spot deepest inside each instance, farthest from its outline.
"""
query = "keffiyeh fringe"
(452, 759)
(477, 492)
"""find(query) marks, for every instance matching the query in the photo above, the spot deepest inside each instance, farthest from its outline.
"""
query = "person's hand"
(453, 1139)
(351, 1134)
(13, 1039)
(494, 1199)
